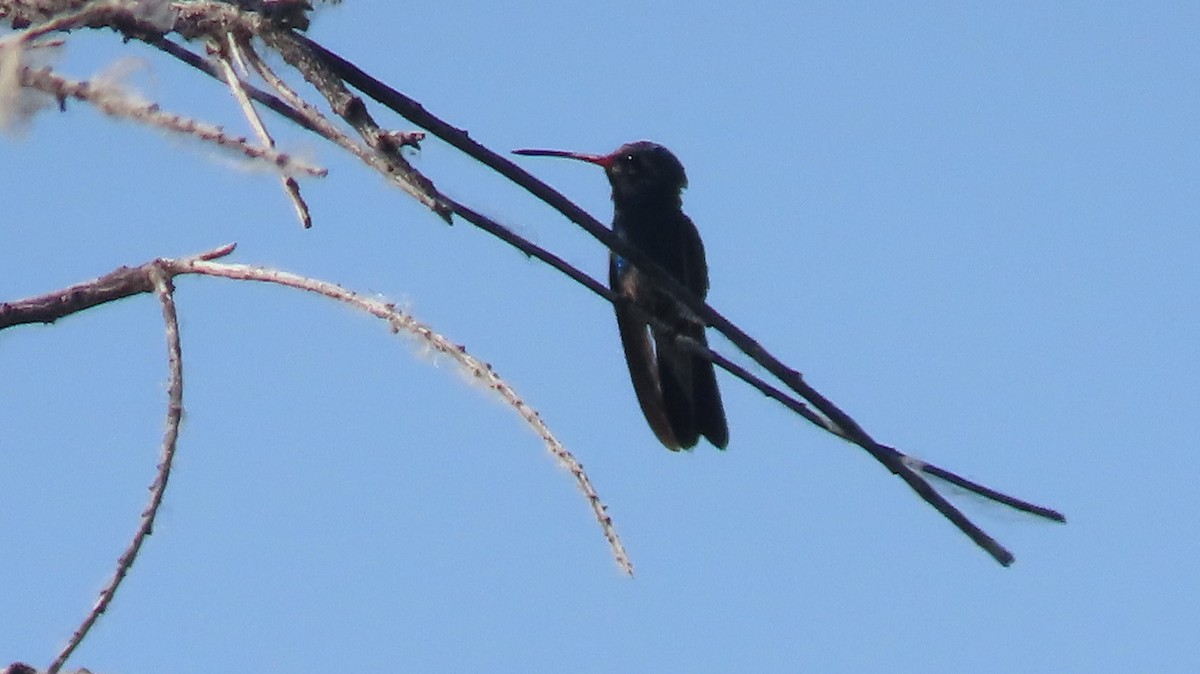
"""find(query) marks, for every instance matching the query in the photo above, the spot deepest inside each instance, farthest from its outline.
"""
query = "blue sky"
(972, 227)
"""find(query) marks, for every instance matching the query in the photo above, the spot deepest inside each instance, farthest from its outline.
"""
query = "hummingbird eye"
(631, 162)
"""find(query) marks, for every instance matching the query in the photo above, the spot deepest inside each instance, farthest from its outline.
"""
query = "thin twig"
(295, 51)
(161, 283)
(313, 120)
(295, 109)
(232, 53)
(383, 157)
(200, 63)
(116, 104)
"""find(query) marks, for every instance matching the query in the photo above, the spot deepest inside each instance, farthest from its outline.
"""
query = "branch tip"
(216, 253)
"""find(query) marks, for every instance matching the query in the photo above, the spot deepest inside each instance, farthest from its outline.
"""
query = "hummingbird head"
(640, 172)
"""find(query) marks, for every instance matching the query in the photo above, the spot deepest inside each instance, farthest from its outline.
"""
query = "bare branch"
(161, 282)
(207, 67)
(295, 50)
(127, 281)
(330, 74)
(115, 103)
(401, 321)
(48, 308)
(830, 418)
(233, 52)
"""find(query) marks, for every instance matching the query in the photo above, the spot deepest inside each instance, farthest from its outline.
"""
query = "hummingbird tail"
(677, 374)
(689, 390)
(710, 413)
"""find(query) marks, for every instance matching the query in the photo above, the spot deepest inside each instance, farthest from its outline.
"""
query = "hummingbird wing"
(695, 373)
(639, 354)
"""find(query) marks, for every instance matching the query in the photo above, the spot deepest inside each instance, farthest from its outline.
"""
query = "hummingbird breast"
(667, 236)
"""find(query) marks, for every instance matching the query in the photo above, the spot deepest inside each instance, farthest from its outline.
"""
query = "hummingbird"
(676, 388)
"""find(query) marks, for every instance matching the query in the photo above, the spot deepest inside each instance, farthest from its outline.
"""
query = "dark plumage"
(677, 389)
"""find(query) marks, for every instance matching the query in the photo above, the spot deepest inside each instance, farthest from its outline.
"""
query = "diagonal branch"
(835, 420)
(905, 466)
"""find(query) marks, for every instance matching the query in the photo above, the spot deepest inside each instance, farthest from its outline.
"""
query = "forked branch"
(334, 76)
(157, 276)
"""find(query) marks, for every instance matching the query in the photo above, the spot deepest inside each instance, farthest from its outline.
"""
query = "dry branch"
(129, 281)
(157, 276)
(113, 102)
(827, 415)
(162, 286)
(225, 30)
(334, 76)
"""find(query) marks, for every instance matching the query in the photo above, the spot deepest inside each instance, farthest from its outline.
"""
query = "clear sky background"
(972, 226)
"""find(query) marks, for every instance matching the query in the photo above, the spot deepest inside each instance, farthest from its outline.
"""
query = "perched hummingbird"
(676, 388)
